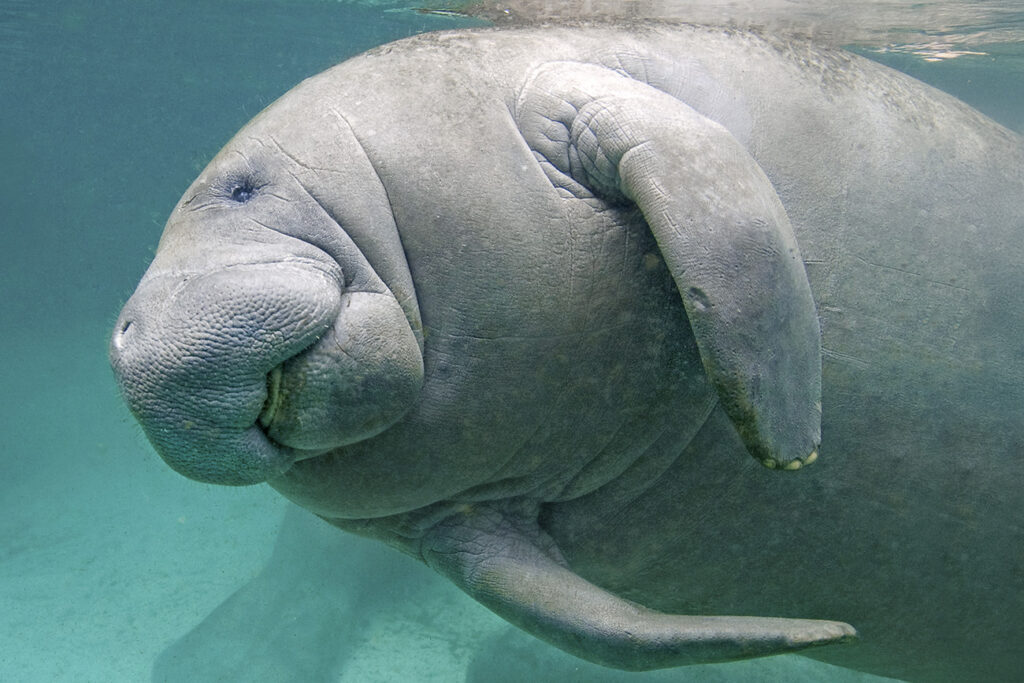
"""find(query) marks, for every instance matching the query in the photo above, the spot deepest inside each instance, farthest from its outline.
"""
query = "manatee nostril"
(122, 333)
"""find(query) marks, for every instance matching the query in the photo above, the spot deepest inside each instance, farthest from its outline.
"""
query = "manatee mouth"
(356, 378)
(273, 402)
(273, 410)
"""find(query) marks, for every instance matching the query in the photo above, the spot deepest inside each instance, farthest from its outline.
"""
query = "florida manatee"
(521, 303)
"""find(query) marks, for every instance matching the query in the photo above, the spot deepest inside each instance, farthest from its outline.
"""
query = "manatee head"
(277, 320)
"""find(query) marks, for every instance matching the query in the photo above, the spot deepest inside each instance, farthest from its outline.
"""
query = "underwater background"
(114, 568)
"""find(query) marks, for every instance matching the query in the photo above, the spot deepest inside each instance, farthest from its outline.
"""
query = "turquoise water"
(114, 568)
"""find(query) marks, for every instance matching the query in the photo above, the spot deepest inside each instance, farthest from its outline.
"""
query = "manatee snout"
(192, 354)
(237, 373)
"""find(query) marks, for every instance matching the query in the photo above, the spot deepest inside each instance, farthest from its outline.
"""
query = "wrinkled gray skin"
(517, 303)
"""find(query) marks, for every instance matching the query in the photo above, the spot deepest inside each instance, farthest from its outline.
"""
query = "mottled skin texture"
(467, 306)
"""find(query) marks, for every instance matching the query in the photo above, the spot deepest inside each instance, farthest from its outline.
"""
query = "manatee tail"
(517, 572)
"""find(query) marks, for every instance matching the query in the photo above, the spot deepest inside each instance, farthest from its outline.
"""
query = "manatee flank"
(524, 303)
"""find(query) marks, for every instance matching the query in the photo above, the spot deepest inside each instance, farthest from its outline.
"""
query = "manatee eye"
(243, 192)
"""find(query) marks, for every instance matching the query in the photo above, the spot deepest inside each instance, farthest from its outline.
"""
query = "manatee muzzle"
(192, 353)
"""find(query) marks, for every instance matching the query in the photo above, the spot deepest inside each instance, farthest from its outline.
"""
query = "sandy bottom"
(114, 568)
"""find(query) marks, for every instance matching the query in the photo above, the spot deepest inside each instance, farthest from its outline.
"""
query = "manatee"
(521, 303)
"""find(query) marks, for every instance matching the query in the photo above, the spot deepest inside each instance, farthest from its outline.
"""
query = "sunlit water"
(107, 110)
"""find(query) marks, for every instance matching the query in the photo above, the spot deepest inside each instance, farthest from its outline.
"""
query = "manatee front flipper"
(515, 570)
(721, 229)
